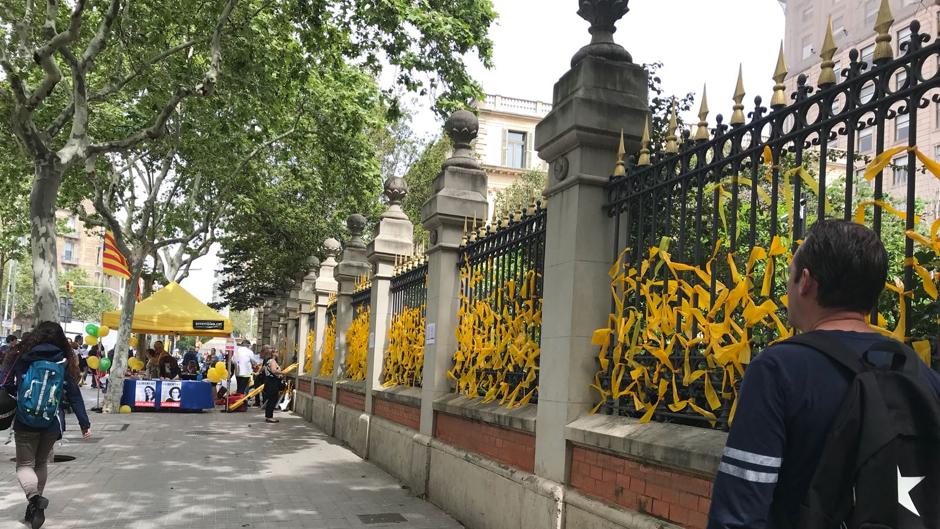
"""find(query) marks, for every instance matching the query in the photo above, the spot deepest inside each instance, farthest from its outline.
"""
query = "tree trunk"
(112, 401)
(42, 201)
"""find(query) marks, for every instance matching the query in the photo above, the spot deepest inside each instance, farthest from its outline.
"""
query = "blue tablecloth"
(192, 395)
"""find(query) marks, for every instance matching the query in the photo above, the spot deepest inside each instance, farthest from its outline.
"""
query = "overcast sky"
(697, 41)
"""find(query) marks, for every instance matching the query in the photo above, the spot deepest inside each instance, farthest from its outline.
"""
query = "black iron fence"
(499, 331)
(409, 286)
(404, 356)
(725, 207)
(362, 295)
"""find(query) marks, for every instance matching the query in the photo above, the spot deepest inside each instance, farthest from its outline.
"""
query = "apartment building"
(853, 23)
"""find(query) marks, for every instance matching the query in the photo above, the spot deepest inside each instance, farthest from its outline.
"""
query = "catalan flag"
(112, 260)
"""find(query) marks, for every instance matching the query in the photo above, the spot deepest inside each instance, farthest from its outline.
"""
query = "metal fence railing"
(499, 327)
(704, 230)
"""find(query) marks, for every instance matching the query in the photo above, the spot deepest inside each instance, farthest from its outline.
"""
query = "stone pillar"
(264, 333)
(307, 307)
(395, 237)
(324, 287)
(353, 266)
(459, 193)
(602, 94)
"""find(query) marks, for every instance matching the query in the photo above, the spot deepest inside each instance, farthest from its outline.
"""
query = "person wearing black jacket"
(791, 392)
(33, 446)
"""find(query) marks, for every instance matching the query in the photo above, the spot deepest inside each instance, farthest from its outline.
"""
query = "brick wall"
(303, 385)
(673, 496)
(407, 416)
(324, 392)
(351, 400)
(507, 446)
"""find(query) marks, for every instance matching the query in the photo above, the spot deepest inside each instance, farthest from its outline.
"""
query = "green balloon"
(91, 329)
(104, 364)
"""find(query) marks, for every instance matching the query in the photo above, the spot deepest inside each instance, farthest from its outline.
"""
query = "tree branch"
(43, 54)
(111, 88)
(100, 40)
(203, 89)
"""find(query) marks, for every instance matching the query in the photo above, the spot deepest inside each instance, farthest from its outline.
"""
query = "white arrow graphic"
(904, 491)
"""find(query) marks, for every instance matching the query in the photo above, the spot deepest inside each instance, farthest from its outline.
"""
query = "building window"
(865, 140)
(868, 92)
(902, 125)
(936, 152)
(899, 170)
(871, 13)
(900, 80)
(838, 28)
(904, 35)
(68, 252)
(807, 47)
(515, 149)
(937, 114)
(808, 12)
(867, 53)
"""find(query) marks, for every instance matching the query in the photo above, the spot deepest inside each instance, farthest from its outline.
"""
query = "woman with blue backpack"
(43, 371)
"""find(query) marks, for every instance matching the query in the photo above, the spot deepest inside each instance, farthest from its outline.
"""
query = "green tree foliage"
(526, 190)
(87, 303)
(241, 323)
(661, 107)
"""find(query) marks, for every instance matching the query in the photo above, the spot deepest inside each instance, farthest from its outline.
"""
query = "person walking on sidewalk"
(35, 433)
(777, 467)
(272, 382)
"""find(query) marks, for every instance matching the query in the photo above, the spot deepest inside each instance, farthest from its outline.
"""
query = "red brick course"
(351, 400)
(303, 385)
(324, 392)
(679, 498)
(407, 416)
(510, 447)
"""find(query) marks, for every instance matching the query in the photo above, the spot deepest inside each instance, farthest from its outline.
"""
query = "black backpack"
(880, 467)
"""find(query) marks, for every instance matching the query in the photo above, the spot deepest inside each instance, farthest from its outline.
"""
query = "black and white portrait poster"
(145, 394)
(171, 394)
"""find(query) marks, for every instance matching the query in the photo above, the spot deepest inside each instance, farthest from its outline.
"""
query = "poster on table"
(145, 393)
(171, 394)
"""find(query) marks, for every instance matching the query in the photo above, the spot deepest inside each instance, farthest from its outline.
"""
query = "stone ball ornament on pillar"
(332, 248)
(462, 127)
(313, 263)
(396, 189)
(603, 16)
(356, 224)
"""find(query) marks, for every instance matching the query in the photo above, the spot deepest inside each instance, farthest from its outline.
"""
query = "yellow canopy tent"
(173, 310)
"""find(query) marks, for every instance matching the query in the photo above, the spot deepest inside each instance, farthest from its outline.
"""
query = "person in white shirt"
(244, 363)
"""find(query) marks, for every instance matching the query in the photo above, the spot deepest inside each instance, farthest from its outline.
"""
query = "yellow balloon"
(90, 340)
(132, 341)
(135, 364)
(213, 377)
(125, 409)
(103, 331)
(220, 365)
(93, 362)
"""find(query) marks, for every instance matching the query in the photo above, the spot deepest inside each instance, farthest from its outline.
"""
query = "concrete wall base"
(352, 427)
(395, 449)
(323, 411)
(303, 405)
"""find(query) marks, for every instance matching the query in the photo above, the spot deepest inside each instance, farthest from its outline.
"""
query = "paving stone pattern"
(213, 470)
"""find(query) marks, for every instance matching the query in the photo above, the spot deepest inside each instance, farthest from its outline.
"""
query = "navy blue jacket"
(72, 393)
(789, 397)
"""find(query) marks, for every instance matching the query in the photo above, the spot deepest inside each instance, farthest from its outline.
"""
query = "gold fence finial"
(671, 146)
(619, 168)
(827, 77)
(737, 117)
(702, 132)
(645, 144)
(779, 98)
(883, 51)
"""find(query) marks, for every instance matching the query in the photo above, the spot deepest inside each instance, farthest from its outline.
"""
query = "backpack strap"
(831, 347)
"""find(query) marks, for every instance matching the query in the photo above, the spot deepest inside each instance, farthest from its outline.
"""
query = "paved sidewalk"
(212, 470)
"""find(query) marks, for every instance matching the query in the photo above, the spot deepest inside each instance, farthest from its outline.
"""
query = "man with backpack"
(838, 426)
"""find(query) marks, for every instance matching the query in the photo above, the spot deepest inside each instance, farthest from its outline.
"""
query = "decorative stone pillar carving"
(395, 238)
(602, 94)
(324, 287)
(306, 298)
(353, 266)
(459, 193)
